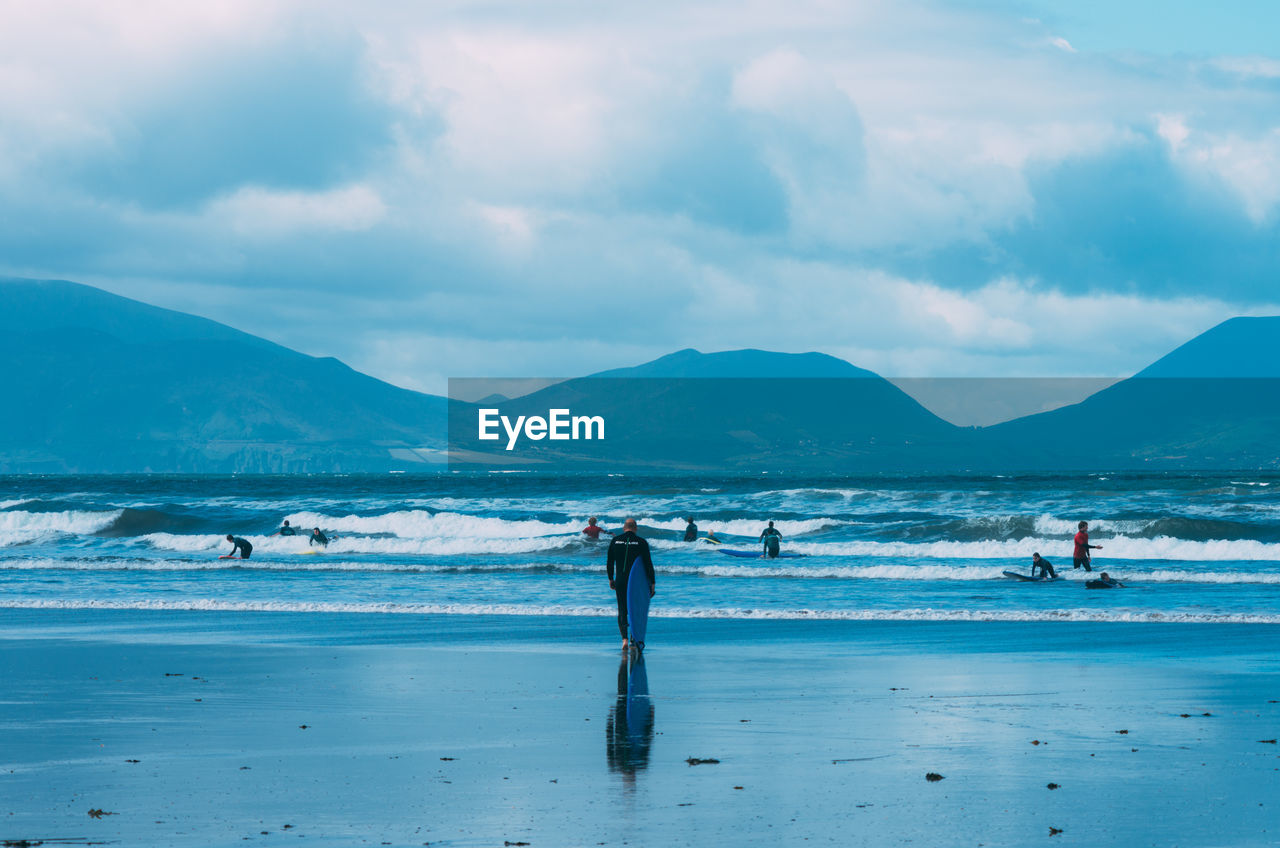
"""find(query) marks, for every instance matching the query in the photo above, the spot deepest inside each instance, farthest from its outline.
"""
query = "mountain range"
(100, 383)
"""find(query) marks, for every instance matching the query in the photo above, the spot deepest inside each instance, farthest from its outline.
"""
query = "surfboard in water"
(756, 554)
(637, 602)
(1016, 576)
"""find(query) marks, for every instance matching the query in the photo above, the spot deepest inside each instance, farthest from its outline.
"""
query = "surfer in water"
(690, 531)
(624, 551)
(1043, 566)
(1081, 555)
(592, 530)
(285, 530)
(1106, 581)
(772, 540)
(319, 538)
(241, 545)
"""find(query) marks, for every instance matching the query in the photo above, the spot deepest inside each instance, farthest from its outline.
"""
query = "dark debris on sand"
(1053, 786)
(701, 761)
(933, 777)
(98, 813)
(1054, 831)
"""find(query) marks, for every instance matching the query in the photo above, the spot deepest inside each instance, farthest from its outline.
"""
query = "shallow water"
(1196, 548)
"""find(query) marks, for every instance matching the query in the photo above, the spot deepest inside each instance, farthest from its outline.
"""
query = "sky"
(514, 189)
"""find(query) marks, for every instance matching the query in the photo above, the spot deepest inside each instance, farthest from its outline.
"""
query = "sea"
(1189, 548)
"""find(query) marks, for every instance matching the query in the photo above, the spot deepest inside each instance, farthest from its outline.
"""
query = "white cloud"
(260, 212)
(1248, 164)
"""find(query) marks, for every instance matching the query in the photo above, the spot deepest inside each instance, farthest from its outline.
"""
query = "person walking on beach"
(772, 540)
(1043, 566)
(690, 531)
(318, 538)
(1081, 556)
(626, 549)
(241, 545)
(592, 530)
(285, 530)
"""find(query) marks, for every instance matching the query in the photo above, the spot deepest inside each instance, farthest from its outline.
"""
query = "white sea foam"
(420, 524)
(1119, 547)
(1082, 615)
(924, 573)
(745, 527)
(18, 502)
(438, 546)
(19, 527)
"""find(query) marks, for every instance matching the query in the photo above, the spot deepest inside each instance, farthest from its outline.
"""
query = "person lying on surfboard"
(1045, 567)
(625, 550)
(772, 540)
(286, 530)
(318, 538)
(240, 545)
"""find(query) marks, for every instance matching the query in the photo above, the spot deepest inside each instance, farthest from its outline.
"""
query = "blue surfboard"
(755, 554)
(637, 603)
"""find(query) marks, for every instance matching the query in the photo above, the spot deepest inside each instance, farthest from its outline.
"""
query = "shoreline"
(477, 730)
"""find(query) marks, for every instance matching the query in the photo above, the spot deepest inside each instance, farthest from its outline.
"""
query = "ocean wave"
(420, 524)
(426, 546)
(19, 527)
(1116, 548)
(923, 573)
(745, 527)
(925, 614)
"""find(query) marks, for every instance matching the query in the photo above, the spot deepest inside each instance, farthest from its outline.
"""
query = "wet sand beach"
(209, 728)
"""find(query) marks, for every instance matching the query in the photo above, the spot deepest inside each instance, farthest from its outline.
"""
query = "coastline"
(828, 727)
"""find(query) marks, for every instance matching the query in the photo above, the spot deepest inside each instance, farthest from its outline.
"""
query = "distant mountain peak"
(1236, 348)
(744, 363)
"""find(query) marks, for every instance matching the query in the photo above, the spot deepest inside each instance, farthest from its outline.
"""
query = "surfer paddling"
(624, 551)
(1039, 563)
(1081, 555)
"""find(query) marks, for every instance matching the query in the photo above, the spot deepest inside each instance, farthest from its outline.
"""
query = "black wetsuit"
(691, 532)
(1046, 568)
(241, 545)
(318, 538)
(772, 541)
(624, 550)
(286, 530)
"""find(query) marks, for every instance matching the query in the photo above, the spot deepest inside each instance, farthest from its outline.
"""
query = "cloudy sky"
(426, 190)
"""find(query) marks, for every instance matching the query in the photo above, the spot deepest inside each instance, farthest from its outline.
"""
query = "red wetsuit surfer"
(592, 530)
(1081, 555)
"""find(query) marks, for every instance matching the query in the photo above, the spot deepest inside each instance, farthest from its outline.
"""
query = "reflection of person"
(1043, 565)
(592, 530)
(285, 530)
(1081, 555)
(624, 551)
(690, 531)
(241, 545)
(772, 540)
(629, 728)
